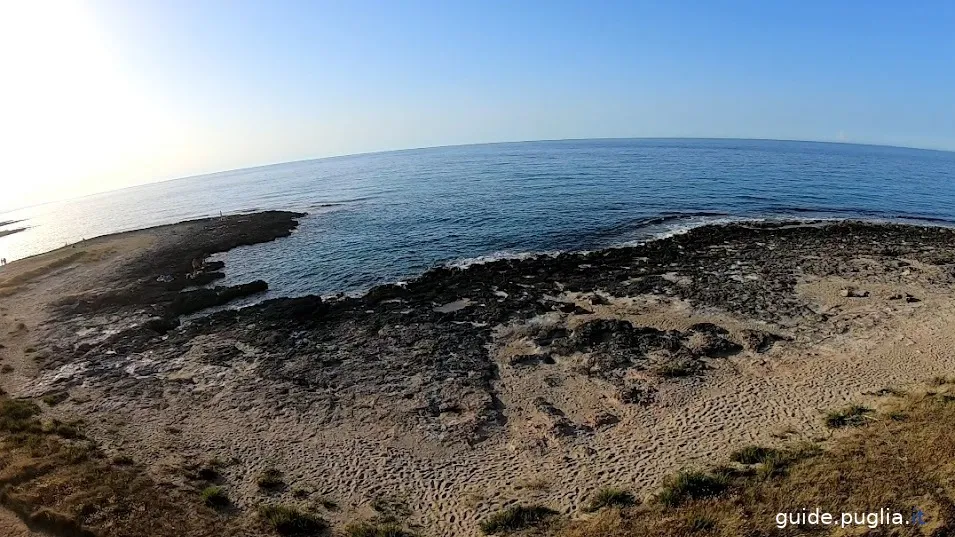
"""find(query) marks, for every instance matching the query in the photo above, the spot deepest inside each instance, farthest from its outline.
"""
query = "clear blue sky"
(211, 85)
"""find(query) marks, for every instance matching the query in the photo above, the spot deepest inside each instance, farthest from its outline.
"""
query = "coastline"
(5, 232)
(460, 387)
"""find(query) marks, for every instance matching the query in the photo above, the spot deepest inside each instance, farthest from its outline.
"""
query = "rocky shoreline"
(438, 327)
(479, 376)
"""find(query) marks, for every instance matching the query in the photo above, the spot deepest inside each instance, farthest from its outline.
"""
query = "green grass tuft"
(676, 370)
(214, 496)
(699, 523)
(610, 497)
(368, 529)
(53, 399)
(754, 455)
(516, 518)
(270, 479)
(291, 522)
(17, 415)
(692, 485)
(851, 416)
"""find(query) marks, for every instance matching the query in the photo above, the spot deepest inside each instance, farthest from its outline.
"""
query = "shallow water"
(388, 216)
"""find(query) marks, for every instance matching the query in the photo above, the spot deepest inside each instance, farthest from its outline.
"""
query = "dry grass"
(214, 496)
(754, 455)
(61, 484)
(892, 464)
(516, 518)
(851, 416)
(290, 521)
(270, 479)
(610, 497)
(376, 529)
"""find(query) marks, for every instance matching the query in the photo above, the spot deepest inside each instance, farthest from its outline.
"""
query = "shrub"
(214, 496)
(122, 460)
(53, 399)
(391, 509)
(697, 523)
(676, 370)
(851, 416)
(17, 415)
(368, 529)
(692, 485)
(754, 455)
(327, 503)
(610, 497)
(270, 479)
(290, 521)
(516, 518)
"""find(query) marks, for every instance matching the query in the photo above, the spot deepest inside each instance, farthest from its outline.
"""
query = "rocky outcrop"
(188, 302)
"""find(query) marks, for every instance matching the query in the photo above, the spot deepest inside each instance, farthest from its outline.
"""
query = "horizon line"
(446, 146)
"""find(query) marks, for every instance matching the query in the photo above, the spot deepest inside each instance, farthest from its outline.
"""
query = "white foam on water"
(466, 262)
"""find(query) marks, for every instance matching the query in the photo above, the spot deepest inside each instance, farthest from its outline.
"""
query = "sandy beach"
(439, 402)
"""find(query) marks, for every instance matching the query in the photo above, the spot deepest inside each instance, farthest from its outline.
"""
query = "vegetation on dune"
(270, 479)
(54, 399)
(754, 455)
(60, 483)
(851, 416)
(516, 518)
(292, 522)
(377, 529)
(899, 465)
(214, 496)
(610, 497)
(692, 485)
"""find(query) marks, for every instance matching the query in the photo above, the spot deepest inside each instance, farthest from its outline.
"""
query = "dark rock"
(570, 307)
(531, 359)
(759, 341)
(635, 395)
(548, 336)
(603, 419)
(161, 325)
(205, 278)
(708, 328)
(852, 292)
(192, 301)
(195, 241)
(714, 343)
(559, 423)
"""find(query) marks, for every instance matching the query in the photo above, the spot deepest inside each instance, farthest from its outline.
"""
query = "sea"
(386, 217)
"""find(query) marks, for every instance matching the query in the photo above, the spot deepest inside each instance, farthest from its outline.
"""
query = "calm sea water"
(388, 216)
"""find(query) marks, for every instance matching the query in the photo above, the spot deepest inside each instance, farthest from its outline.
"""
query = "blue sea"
(386, 217)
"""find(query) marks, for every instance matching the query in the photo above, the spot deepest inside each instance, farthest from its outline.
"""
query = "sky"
(99, 95)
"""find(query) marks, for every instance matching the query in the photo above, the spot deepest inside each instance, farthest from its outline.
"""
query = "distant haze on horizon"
(107, 94)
